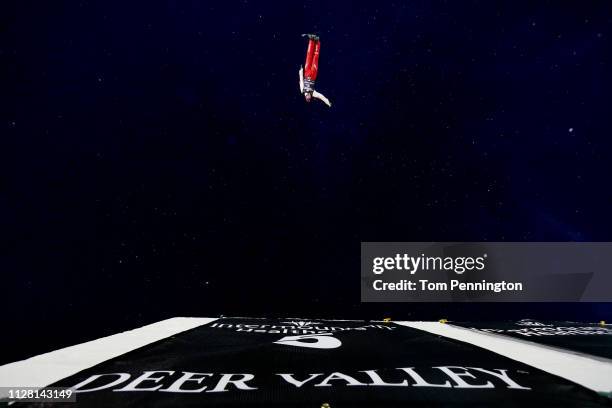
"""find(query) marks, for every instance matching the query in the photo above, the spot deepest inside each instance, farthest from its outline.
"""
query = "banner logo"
(317, 341)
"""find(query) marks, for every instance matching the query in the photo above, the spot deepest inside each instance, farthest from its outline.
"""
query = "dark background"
(160, 161)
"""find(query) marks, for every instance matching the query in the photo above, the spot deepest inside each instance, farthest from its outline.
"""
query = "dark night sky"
(162, 161)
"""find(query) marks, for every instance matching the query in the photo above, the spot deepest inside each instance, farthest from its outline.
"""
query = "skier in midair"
(308, 73)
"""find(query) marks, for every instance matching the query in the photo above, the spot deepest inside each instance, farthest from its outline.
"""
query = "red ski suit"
(312, 60)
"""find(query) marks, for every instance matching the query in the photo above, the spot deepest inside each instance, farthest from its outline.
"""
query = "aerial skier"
(308, 73)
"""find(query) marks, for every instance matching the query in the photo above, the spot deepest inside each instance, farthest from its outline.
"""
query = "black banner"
(294, 362)
(594, 339)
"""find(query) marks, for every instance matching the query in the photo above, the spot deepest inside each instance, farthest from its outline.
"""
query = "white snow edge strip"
(45, 369)
(590, 372)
